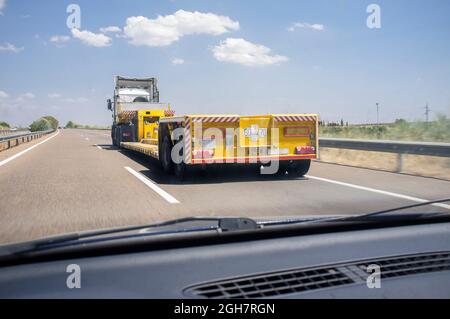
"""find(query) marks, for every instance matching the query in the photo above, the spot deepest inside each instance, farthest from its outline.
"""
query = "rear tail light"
(203, 154)
(305, 150)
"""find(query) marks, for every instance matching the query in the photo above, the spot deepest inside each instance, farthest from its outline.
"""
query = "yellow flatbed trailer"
(224, 139)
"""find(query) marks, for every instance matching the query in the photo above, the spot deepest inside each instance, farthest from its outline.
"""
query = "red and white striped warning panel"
(216, 119)
(128, 115)
(169, 113)
(294, 118)
(187, 142)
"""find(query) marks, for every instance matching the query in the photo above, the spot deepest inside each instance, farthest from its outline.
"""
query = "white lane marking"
(379, 191)
(153, 186)
(9, 159)
(87, 139)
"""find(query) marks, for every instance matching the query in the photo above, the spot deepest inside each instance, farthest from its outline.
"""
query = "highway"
(74, 180)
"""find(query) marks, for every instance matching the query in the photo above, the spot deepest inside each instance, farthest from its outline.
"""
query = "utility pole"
(427, 112)
(378, 113)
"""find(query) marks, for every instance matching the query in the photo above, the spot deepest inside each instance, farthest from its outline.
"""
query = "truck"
(282, 144)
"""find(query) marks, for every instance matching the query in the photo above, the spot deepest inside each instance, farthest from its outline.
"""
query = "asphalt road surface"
(74, 180)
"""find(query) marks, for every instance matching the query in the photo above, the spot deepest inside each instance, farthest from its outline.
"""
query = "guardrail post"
(399, 162)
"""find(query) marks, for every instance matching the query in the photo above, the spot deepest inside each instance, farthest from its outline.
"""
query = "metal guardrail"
(398, 147)
(7, 142)
(9, 132)
(13, 134)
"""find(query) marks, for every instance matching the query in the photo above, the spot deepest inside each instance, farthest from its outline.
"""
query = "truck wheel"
(298, 168)
(166, 158)
(282, 168)
(180, 170)
(267, 169)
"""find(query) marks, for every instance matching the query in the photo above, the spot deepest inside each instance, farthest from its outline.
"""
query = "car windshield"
(237, 114)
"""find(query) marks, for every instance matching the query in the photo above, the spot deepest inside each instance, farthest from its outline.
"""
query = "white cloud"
(76, 100)
(59, 38)
(25, 97)
(54, 95)
(92, 39)
(28, 96)
(8, 47)
(305, 25)
(2, 6)
(3, 94)
(110, 29)
(164, 30)
(177, 61)
(243, 52)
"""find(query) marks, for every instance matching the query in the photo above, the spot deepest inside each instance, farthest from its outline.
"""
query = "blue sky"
(229, 57)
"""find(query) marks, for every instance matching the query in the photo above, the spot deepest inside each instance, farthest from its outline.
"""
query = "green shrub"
(71, 124)
(53, 122)
(4, 125)
(40, 125)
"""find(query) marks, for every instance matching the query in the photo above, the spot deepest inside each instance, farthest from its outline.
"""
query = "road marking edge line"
(153, 186)
(9, 159)
(379, 191)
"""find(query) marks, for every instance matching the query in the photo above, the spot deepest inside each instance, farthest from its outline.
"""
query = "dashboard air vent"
(410, 265)
(307, 279)
(274, 284)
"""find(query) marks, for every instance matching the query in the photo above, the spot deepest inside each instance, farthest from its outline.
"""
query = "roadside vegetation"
(74, 125)
(4, 126)
(435, 131)
(44, 123)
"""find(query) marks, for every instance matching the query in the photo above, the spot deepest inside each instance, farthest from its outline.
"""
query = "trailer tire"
(114, 141)
(166, 155)
(282, 169)
(180, 170)
(299, 168)
(281, 172)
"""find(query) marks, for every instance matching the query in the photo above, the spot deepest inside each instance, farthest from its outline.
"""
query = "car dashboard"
(413, 261)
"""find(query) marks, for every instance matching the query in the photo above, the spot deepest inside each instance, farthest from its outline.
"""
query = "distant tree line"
(328, 123)
(432, 131)
(72, 124)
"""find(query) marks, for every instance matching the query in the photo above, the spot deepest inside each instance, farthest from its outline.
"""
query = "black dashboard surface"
(169, 273)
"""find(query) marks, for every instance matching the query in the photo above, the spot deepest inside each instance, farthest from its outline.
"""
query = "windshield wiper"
(223, 224)
(373, 216)
(386, 211)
